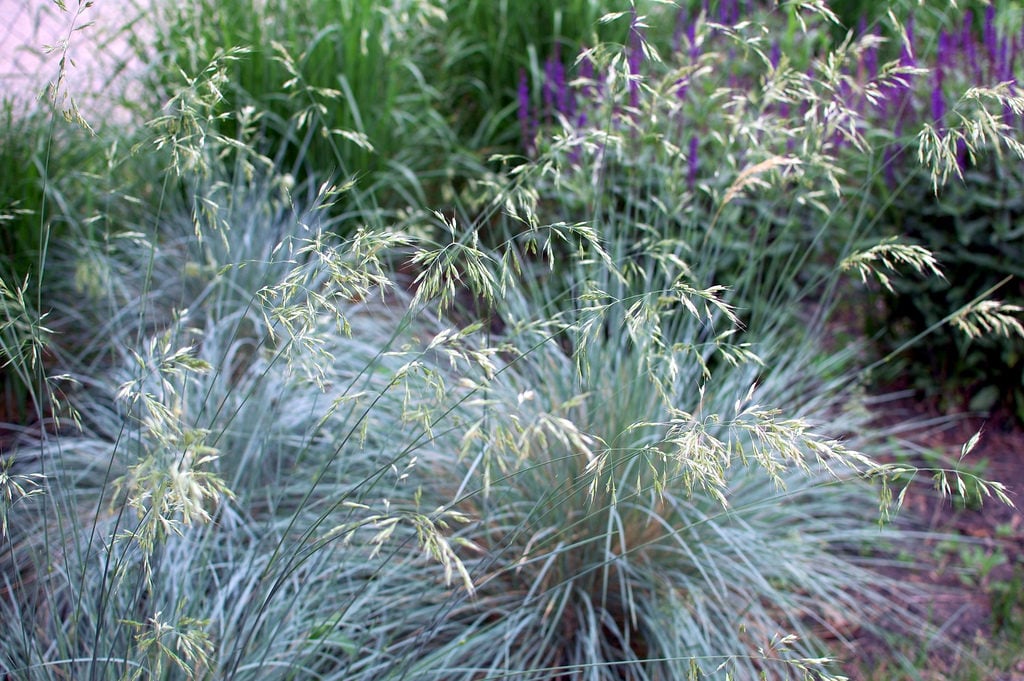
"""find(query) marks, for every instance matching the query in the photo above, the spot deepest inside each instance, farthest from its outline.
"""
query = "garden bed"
(609, 429)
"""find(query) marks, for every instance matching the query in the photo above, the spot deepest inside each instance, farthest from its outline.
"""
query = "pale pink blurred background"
(103, 68)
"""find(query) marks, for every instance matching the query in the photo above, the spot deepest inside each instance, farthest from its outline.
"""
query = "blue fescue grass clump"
(577, 419)
(611, 528)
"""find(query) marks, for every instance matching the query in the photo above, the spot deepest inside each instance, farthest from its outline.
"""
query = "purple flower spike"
(682, 88)
(589, 91)
(547, 88)
(1004, 62)
(691, 38)
(968, 46)
(775, 56)
(938, 99)
(563, 102)
(989, 34)
(967, 32)
(871, 62)
(635, 58)
(692, 163)
(526, 122)
(724, 12)
(944, 56)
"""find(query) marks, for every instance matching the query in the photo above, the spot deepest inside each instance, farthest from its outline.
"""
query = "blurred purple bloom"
(635, 58)
(682, 20)
(556, 91)
(944, 55)
(938, 99)
(526, 122)
(989, 34)
(775, 56)
(686, 28)
(968, 46)
(548, 87)
(967, 31)
(682, 87)
(589, 91)
(871, 61)
(725, 11)
(691, 38)
(1004, 62)
(563, 101)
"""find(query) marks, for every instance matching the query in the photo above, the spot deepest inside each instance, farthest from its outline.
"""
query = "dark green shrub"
(45, 167)
(976, 229)
(973, 222)
(21, 190)
(61, 184)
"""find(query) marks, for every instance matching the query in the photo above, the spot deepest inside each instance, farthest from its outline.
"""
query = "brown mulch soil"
(966, 604)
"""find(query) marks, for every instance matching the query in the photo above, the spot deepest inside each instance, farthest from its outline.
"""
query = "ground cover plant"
(578, 419)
